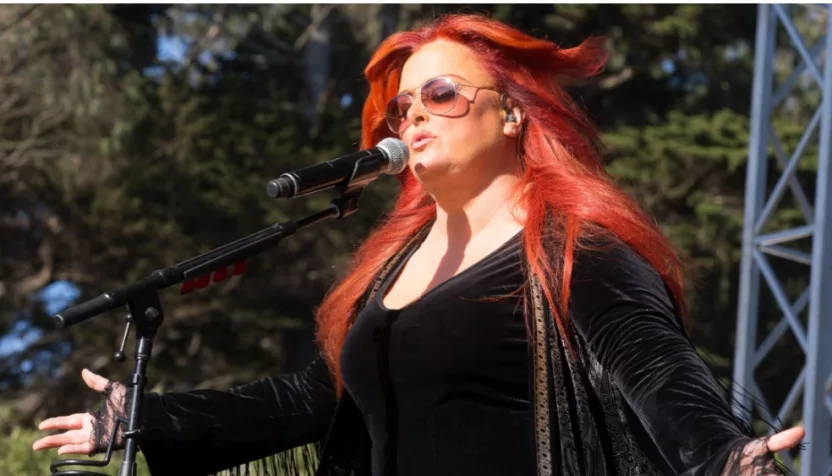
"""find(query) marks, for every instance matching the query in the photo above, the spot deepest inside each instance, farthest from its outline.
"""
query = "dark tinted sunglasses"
(438, 96)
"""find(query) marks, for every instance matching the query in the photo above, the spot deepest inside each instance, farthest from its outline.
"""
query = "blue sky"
(171, 48)
(54, 298)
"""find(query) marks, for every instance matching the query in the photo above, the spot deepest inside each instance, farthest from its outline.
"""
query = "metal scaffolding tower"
(754, 341)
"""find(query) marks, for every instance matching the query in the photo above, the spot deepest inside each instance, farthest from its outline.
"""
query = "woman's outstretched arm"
(623, 312)
(204, 431)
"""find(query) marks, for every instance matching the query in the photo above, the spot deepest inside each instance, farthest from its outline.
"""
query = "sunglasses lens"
(439, 96)
(397, 112)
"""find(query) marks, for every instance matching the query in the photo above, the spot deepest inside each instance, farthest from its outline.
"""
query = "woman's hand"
(786, 439)
(755, 458)
(88, 433)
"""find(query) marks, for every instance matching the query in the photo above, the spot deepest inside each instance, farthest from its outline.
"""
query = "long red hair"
(563, 173)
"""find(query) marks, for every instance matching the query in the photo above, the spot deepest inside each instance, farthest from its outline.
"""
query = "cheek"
(457, 135)
(474, 130)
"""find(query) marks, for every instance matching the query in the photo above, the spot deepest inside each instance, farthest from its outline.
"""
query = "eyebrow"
(431, 79)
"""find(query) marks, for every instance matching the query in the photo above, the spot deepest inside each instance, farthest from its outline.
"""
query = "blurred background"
(133, 137)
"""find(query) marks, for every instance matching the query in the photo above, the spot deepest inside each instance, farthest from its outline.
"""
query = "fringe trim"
(299, 461)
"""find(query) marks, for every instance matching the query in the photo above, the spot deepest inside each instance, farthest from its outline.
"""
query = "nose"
(417, 113)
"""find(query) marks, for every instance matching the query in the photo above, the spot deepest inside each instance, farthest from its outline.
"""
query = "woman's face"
(453, 139)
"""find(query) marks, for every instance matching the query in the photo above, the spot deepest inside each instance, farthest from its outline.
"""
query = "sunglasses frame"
(410, 94)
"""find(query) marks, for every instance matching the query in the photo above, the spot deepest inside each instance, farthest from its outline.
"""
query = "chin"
(433, 175)
(424, 164)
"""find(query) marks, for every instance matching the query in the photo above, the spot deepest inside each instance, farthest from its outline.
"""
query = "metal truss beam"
(812, 382)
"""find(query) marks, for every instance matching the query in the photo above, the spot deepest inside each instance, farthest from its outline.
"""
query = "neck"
(462, 214)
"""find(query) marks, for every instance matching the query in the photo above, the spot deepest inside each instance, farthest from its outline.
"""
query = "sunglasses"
(439, 96)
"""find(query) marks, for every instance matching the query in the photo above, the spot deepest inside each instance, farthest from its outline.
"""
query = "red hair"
(563, 168)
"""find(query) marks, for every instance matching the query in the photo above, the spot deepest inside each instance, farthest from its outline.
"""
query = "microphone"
(388, 157)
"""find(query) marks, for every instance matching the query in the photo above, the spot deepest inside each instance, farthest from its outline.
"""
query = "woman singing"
(514, 314)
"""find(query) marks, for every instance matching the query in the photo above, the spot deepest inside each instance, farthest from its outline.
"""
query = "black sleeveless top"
(443, 383)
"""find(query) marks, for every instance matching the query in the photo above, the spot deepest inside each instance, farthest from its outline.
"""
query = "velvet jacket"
(624, 393)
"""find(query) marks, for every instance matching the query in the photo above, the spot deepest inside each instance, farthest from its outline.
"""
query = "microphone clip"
(349, 191)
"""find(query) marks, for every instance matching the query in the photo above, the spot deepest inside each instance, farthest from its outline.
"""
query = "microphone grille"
(396, 152)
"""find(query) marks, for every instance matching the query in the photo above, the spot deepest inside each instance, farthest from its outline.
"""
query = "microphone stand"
(142, 300)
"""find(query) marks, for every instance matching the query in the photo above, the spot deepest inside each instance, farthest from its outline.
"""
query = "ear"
(513, 117)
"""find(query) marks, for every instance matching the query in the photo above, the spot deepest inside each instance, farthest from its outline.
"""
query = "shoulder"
(606, 258)
(610, 278)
